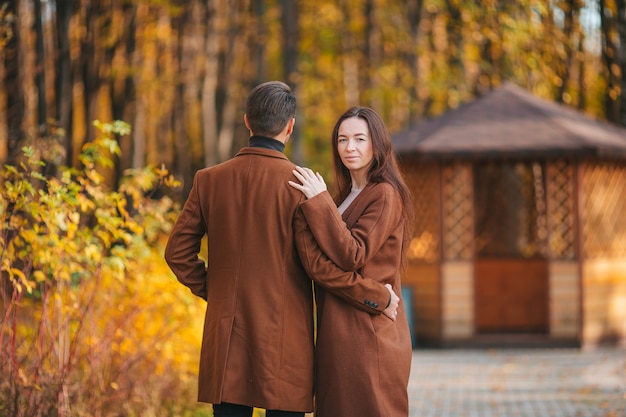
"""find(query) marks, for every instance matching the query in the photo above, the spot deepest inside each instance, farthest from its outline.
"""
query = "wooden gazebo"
(520, 230)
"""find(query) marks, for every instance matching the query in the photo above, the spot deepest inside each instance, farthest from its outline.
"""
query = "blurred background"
(179, 71)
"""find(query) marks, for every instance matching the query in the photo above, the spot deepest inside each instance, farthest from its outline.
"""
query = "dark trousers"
(236, 410)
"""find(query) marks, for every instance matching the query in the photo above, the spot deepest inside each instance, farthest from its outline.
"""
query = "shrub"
(93, 323)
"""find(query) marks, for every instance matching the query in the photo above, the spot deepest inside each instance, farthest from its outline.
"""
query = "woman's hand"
(312, 182)
(392, 309)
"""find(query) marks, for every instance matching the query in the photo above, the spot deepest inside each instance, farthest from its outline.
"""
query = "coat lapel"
(353, 211)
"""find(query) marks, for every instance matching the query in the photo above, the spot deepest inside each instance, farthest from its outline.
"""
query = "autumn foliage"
(93, 323)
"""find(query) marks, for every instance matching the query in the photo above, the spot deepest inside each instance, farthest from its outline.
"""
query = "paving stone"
(518, 383)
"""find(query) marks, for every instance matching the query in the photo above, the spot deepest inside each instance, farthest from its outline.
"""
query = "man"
(257, 347)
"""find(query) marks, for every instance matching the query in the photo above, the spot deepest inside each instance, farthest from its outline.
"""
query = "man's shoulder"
(266, 158)
(259, 158)
(261, 152)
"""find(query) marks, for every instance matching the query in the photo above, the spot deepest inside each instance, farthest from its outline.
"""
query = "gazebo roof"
(511, 122)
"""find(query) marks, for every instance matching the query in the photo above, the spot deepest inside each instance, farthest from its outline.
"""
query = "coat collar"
(248, 150)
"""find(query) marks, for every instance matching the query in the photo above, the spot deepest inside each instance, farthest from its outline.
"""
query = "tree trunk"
(349, 54)
(259, 39)
(6, 36)
(414, 16)
(374, 54)
(582, 100)
(122, 84)
(609, 56)
(166, 75)
(234, 69)
(209, 87)
(454, 54)
(431, 51)
(570, 30)
(186, 118)
(4, 119)
(290, 40)
(79, 106)
(94, 64)
(27, 67)
(65, 11)
(40, 63)
(491, 53)
(139, 125)
(621, 28)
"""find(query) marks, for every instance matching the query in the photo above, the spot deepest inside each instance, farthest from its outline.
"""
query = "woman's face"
(354, 145)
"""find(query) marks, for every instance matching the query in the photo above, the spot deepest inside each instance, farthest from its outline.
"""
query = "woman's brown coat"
(257, 346)
(363, 360)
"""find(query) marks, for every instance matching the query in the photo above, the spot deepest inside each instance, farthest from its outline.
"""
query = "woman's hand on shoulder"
(311, 183)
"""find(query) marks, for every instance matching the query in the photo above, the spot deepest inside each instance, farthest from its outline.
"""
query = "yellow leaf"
(39, 276)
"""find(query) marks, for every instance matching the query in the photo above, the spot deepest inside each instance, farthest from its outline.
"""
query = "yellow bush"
(93, 322)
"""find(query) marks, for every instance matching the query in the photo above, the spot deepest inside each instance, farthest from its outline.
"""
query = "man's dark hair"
(269, 108)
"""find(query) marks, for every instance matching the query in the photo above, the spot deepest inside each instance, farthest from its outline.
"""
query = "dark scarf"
(258, 141)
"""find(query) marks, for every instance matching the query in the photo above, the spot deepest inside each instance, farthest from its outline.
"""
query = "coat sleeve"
(363, 293)
(183, 245)
(352, 248)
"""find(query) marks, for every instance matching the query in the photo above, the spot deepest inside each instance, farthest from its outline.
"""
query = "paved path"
(518, 383)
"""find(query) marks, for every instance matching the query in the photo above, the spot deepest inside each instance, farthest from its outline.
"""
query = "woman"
(363, 360)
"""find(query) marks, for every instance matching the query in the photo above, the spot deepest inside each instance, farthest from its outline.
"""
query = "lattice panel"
(561, 196)
(423, 180)
(510, 204)
(604, 210)
(458, 213)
